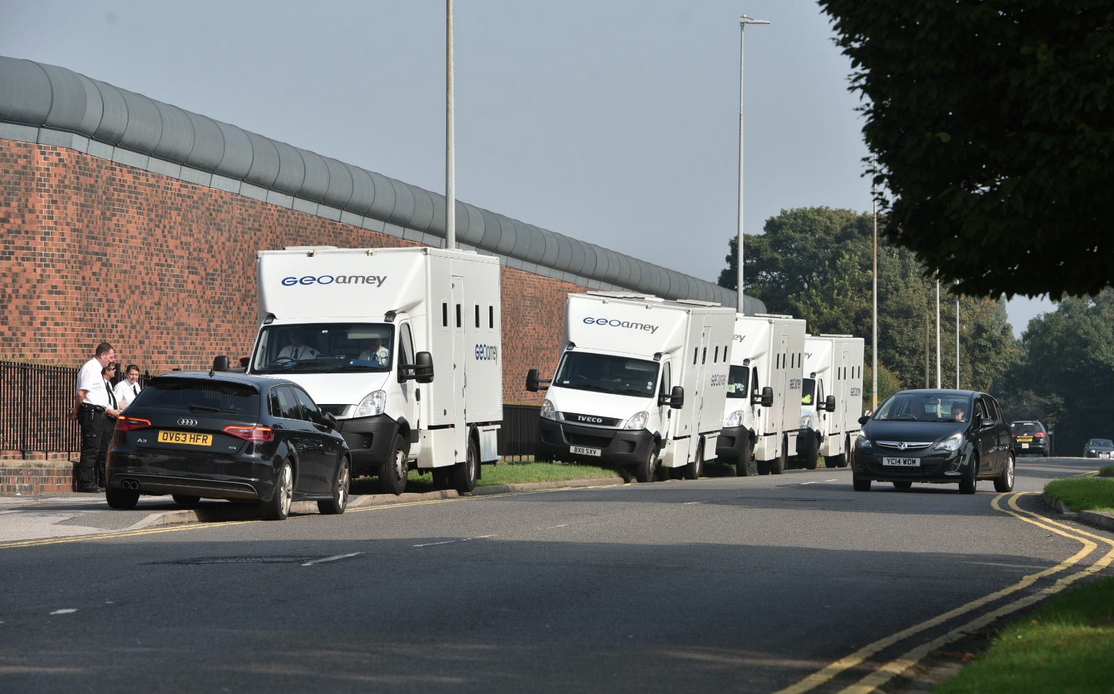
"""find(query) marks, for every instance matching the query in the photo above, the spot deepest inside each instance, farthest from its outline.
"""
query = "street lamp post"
(743, 21)
(937, 333)
(450, 144)
(874, 322)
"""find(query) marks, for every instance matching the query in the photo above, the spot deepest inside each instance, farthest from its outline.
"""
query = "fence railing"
(36, 400)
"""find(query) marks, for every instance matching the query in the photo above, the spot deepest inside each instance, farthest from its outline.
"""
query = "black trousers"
(92, 430)
(109, 426)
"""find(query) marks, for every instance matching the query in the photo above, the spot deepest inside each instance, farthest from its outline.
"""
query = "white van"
(760, 416)
(831, 399)
(641, 380)
(365, 330)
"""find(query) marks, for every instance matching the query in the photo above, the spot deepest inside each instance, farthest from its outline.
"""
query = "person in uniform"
(88, 410)
(374, 351)
(128, 389)
(297, 349)
(111, 414)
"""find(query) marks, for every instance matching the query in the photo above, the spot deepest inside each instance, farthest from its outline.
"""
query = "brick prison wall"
(164, 269)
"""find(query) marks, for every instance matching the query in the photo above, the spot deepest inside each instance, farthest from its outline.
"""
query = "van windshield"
(808, 391)
(607, 374)
(737, 381)
(324, 348)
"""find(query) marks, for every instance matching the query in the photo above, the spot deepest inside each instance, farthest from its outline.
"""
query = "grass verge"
(1067, 647)
(1107, 471)
(1084, 493)
(518, 473)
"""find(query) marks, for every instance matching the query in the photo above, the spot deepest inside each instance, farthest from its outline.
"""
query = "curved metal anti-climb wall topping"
(55, 98)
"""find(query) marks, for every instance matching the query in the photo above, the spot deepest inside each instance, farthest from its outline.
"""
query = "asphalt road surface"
(784, 583)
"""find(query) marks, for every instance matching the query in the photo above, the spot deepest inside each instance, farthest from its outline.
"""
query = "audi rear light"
(131, 423)
(1040, 435)
(254, 434)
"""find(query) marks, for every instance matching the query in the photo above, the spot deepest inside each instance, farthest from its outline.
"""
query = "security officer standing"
(89, 410)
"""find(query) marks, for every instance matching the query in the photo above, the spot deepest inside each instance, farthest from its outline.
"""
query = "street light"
(874, 321)
(450, 153)
(743, 21)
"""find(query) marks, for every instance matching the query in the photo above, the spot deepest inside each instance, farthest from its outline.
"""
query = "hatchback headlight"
(952, 443)
(637, 421)
(806, 422)
(861, 441)
(547, 410)
(372, 404)
(735, 419)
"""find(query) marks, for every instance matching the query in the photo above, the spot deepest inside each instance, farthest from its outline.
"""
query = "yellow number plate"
(1024, 438)
(186, 438)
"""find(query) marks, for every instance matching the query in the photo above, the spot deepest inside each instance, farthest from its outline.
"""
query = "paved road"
(756, 584)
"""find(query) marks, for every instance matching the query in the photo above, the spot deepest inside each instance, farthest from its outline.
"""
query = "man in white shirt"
(375, 351)
(89, 410)
(127, 389)
(297, 349)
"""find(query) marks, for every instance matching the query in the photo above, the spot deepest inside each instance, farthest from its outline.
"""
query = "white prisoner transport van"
(761, 413)
(640, 382)
(401, 345)
(831, 399)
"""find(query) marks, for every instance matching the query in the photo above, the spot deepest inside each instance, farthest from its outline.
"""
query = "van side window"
(695, 354)
(458, 321)
(704, 360)
(756, 387)
(665, 378)
(444, 314)
(477, 306)
(405, 346)
(490, 317)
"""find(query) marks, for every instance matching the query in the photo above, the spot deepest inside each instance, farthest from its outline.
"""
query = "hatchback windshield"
(180, 394)
(1100, 443)
(925, 407)
(323, 348)
(607, 374)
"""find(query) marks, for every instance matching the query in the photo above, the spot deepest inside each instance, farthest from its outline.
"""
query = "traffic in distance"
(401, 347)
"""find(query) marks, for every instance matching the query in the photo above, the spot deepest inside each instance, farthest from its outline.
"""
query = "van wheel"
(465, 474)
(278, 508)
(186, 501)
(970, 480)
(1004, 482)
(696, 468)
(394, 471)
(777, 465)
(121, 499)
(763, 466)
(645, 471)
(812, 452)
(339, 502)
(834, 461)
(861, 484)
(745, 465)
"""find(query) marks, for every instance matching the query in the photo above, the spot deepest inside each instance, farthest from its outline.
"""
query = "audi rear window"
(199, 396)
(1026, 427)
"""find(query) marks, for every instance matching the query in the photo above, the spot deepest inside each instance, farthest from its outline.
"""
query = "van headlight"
(950, 444)
(547, 410)
(637, 421)
(735, 419)
(806, 421)
(372, 404)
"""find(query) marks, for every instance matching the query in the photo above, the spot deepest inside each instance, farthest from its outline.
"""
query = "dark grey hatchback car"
(228, 436)
(935, 436)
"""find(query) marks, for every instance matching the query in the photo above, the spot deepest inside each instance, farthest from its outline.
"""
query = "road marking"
(112, 536)
(899, 665)
(68, 610)
(453, 542)
(336, 557)
(554, 527)
(858, 657)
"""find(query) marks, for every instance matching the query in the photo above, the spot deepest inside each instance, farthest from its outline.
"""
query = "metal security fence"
(35, 402)
(518, 436)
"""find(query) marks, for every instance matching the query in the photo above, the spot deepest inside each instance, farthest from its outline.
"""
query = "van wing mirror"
(677, 397)
(767, 399)
(534, 382)
(830, 403)
(222, 363)
(421, 370)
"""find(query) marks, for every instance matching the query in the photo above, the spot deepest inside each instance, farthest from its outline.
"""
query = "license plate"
(186, 438)
(581, 450)
(901, 462)
(1024, 438)
(1024, 445)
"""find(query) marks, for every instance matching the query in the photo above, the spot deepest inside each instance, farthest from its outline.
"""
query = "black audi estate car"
(228, 436)
(936, 436)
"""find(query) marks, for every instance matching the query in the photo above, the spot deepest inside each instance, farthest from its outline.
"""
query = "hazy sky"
(612, 122)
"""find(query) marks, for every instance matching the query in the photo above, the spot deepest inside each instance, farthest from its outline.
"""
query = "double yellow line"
(887, 671)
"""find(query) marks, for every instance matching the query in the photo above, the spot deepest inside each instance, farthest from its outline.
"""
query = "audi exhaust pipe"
(130, 484)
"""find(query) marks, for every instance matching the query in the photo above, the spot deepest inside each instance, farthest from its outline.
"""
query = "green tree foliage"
(815, 263)
(991, 124)
(1065, 375)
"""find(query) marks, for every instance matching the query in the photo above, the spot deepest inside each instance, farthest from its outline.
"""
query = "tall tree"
(991, 124)
(814, 263)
